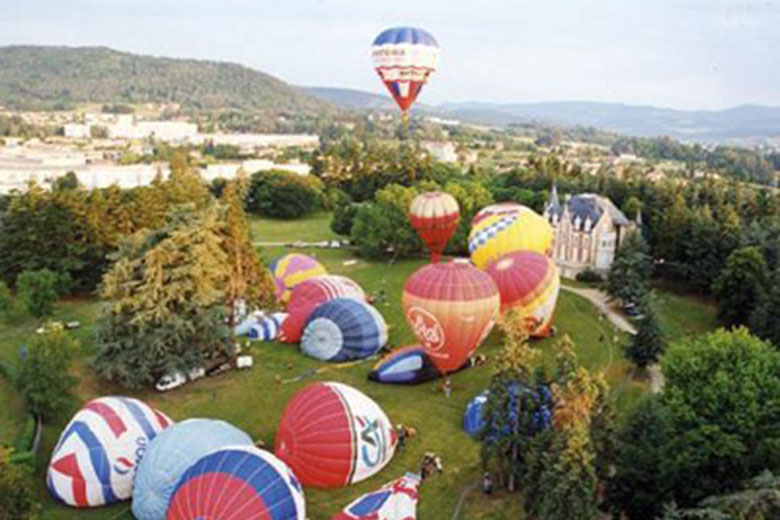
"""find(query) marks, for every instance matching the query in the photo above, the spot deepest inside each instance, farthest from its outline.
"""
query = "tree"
(283, 194)
(672, 230)
(765, 319)
(17, 492)
(382, 227)
(69, 181)
(5, 297)
(739, 286)
(758, 499)
(248, 280)
(38, 291)
(43, 377)
(511, 405)
(632, 207)
(640, 486)
(629, 275)
(472, 197)
(704, 256)
(722, 396)
(647, 345)
(42, 230)
(562, 479)
(164, 299)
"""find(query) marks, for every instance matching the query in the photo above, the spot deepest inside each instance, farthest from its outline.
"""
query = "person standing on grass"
(487, 484)
(447, 387)
(401, 431)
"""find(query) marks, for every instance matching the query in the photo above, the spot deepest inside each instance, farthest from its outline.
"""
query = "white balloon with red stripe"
(334, 435)
(96, 457)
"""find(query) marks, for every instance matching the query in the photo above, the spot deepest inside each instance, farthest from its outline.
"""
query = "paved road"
(602, 301)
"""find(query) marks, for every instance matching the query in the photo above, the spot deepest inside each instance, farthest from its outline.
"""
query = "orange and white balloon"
(529, 282)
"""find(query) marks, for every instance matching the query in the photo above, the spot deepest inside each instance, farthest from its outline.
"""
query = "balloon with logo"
(528, 282)
(504, 228)
(291, 269)
(404, 58)
(451, 308)
(396, 500)
(237, 482)
(170, 454)
(96, 457)
(310, 294)
(435, 216)
(334, 435)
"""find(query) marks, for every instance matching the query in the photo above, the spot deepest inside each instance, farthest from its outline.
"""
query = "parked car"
(244, 362)
(177, 379)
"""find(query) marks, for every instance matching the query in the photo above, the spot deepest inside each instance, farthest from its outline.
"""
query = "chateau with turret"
(589, 229)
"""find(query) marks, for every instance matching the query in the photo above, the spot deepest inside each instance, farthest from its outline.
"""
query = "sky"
(686, 54)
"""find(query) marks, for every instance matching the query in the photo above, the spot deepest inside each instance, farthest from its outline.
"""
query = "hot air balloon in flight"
(170, 454)
(435, 216)
(310, 294)
(529, 282)
(505, 228)
(333, 435)
(404, 58)
(98, 453)
(237, 482)
(290, 270)
(451, 308)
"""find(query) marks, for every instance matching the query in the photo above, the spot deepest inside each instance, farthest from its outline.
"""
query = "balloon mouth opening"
(461, 261)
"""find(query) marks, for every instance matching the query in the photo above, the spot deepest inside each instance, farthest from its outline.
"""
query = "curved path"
(602, 300)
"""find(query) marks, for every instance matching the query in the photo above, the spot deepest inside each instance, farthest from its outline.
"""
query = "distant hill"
(744, 123)
(33, 77)
(738, 123)
(351, 98)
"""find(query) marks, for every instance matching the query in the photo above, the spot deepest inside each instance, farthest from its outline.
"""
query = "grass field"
(254, 400)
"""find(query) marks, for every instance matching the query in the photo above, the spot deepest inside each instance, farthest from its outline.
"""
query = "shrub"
(17, 492)
(39, 291)
(343, 218)
(589, 276)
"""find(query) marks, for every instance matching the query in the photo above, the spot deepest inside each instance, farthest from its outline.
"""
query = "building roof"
(585, 206)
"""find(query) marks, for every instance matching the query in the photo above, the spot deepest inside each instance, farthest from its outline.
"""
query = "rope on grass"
(463, 494)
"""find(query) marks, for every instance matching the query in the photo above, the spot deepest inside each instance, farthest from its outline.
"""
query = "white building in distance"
(252, 142)
(443, 152)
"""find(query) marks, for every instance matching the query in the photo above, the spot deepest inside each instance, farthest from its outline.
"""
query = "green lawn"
(254, 399)
(311, 228)
(682, 315)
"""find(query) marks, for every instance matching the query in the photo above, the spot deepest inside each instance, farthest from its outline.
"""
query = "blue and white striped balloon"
(344, 329)
(267, 329)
